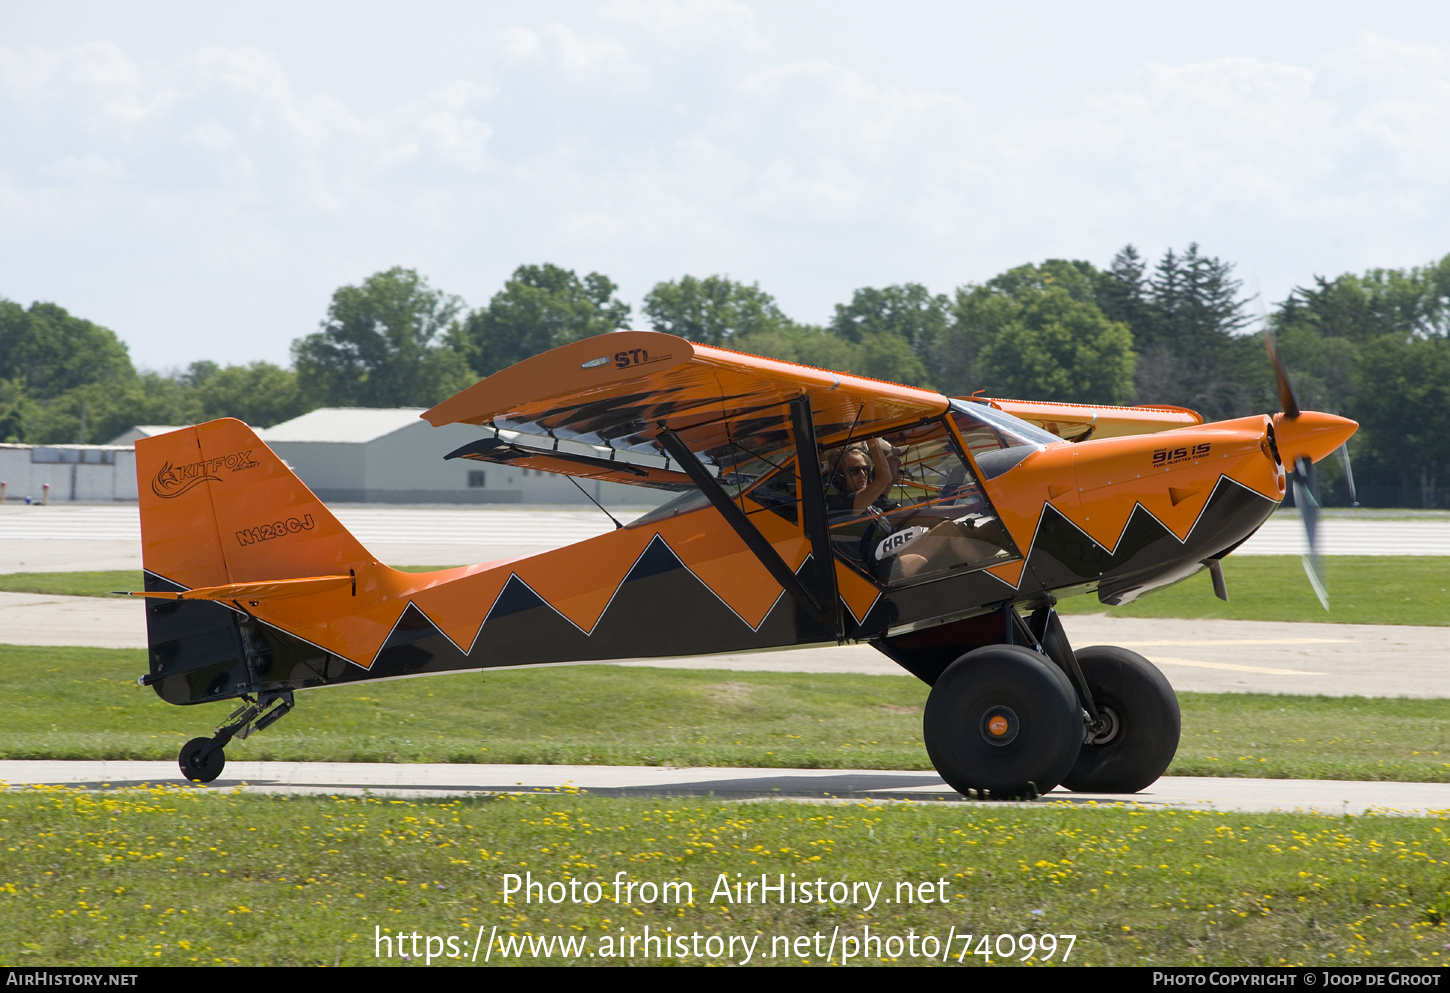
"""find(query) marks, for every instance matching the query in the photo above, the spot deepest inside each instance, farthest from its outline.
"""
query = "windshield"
(997, 440)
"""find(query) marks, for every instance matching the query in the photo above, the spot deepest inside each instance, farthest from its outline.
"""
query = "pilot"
(884, 503)
(857, 476)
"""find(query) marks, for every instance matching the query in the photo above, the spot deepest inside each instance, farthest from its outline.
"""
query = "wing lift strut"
(817, 594)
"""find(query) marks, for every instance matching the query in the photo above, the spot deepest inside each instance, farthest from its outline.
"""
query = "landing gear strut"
(202, 759)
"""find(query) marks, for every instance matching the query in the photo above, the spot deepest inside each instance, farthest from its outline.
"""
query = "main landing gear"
(202, 759)
(1011, 721)
(1003, 722)
(1136, 735)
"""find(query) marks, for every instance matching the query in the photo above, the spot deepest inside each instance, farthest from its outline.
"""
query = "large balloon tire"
(1002, 722)
(1141, 710)
(196, 768)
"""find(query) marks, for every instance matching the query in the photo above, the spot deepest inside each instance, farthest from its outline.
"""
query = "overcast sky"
(201, 177)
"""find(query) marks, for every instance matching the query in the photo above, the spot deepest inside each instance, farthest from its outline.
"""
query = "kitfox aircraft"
(811, 508)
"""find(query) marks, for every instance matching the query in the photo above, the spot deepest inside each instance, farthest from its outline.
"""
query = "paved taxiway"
(108, 536)
(450, 780)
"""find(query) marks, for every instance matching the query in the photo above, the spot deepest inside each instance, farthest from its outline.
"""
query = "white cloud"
(86, 167)
(520, 44)
(581, 54)
(1399, 97)
(838, 100)
(1228, 130)
(690, 22)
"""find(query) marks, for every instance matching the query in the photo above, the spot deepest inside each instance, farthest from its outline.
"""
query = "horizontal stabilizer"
(265, 590)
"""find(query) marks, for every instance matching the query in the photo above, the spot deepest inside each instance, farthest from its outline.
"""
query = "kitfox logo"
(172, 481)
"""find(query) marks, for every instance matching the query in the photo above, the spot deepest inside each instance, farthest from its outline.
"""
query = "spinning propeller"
(1302, 438)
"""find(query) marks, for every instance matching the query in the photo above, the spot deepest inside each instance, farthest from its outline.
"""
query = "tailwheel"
(1137, 735)
(200, 763)
(202, 758)
(1002, 722)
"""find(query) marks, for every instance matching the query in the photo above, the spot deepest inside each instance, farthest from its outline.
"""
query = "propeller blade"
(1307, 500)
(1306, 493)
(1348, 475)
(1287, 402)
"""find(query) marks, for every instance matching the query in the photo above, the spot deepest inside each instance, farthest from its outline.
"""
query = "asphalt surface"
(64, 537)
(852, 785)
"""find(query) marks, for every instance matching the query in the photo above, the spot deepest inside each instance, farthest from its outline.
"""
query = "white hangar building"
(369, 455)
(67, 473)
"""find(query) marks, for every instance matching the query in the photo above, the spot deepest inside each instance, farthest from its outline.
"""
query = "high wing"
(1080, 421)
(599, 408)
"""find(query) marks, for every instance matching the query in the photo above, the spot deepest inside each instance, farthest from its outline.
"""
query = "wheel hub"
(1105, 730)
(1000, 725)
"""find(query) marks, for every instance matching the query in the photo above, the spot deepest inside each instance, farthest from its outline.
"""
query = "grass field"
(72, 703)
(178, 876)
(1362, 589)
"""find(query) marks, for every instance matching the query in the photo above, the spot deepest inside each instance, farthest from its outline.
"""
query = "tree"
(1035, 332)
(261, 394)
(908, 310)
(1405, 418)
(17, 411)
(1122, 293)
(898, 328)
(96, 412)
(540, 307)
(1185, 320)
(1376, 348)
(386, 343)
(50, 351)
(1078, 279)
(803, 344)
(713, 311)
(1060, 348)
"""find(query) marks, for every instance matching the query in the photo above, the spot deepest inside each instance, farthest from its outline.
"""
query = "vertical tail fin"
(221, 515)
(219, 507)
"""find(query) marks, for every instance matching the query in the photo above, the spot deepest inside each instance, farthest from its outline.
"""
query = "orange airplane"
(812, 508)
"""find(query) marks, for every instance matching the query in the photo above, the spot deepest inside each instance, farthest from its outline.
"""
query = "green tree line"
(1375, 347)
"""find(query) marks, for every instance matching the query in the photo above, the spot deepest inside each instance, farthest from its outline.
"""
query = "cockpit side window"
(932, 520)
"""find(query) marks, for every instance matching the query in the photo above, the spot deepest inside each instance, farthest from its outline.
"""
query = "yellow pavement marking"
(1237, 668)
